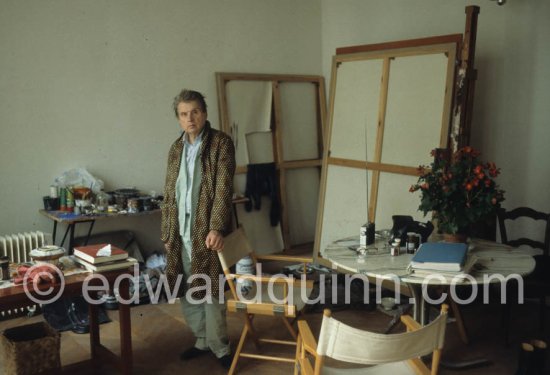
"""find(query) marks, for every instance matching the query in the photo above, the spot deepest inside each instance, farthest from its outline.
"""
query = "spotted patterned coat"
(213, 210)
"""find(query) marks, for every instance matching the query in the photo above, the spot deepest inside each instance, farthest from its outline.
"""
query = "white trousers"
(206, 320)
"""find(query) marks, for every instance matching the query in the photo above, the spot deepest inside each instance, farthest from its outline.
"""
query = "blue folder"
(443, 256)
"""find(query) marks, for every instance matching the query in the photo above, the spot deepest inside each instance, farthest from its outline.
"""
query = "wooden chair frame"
(536, 283)
(249, 308)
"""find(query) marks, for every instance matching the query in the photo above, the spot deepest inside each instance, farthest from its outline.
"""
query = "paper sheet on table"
(105, 251)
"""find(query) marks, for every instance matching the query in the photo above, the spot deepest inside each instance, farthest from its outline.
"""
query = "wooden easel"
(466, 76)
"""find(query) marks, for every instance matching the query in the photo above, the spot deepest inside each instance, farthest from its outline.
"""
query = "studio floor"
(160, 334)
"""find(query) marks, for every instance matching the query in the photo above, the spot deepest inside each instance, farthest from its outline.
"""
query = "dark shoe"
(538, 356)
(80, 328)
(193, 353)
(226, 361)
(525, 362)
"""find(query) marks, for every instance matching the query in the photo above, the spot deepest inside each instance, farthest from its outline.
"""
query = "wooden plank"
(279, 157)
(404, 52)
(446, 119)
(360, 164)
(420, 42)
(321, 116)
(289, 164)
(294, 164)
(467, 63)
(267, 358)
(308, 340)
(324, 169)
(382, 105)
(222, 105)
(225, 77)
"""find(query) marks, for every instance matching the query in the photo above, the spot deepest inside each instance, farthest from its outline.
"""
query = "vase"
(454, 237)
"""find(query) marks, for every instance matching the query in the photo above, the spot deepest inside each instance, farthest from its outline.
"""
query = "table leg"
(54, 231)
(419, 310)
(71, 239)
(419, 314)
(125, 328)
(65, 235)
(95, 341)
(89, 232)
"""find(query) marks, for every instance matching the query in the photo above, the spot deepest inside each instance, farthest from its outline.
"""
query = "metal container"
(4, 268)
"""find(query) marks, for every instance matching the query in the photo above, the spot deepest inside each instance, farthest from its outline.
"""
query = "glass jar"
(102, 201)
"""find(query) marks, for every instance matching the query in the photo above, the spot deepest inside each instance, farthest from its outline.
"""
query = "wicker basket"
(30, 349)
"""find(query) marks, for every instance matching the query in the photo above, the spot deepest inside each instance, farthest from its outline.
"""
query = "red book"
(109, 266)
(89, 253)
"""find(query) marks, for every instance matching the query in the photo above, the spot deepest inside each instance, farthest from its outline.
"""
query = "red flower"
(458, 189)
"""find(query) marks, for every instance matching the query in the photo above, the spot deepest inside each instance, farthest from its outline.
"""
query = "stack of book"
(442, 258)
(93, 260)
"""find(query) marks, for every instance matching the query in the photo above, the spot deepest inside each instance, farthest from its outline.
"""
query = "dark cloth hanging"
(261, 179)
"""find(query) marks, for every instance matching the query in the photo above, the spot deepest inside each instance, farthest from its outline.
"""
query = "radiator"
(17, 246)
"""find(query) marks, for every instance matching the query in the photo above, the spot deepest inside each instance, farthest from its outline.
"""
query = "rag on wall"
(261, 179)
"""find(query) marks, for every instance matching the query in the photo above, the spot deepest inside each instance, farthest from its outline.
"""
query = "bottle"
(63, 199)
(70, 200)
(370, 233)
(394, 249)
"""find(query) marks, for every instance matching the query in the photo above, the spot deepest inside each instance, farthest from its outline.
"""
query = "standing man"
(196, 215)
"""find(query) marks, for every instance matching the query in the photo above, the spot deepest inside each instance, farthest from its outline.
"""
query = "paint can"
(245, 266)
(4, 268)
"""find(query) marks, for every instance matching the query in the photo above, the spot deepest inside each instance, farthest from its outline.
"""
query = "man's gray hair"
(189, 96)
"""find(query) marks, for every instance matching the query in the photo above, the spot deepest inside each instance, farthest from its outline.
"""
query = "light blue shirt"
(191, 152)
(186, 186)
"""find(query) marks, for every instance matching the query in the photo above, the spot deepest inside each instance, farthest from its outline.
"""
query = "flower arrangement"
(459, 190)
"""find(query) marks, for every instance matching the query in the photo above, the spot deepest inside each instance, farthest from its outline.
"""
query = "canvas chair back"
(236, 247)
(342, 342)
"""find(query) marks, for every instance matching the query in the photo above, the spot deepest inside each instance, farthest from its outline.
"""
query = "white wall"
(511, 124)
(90, 83)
